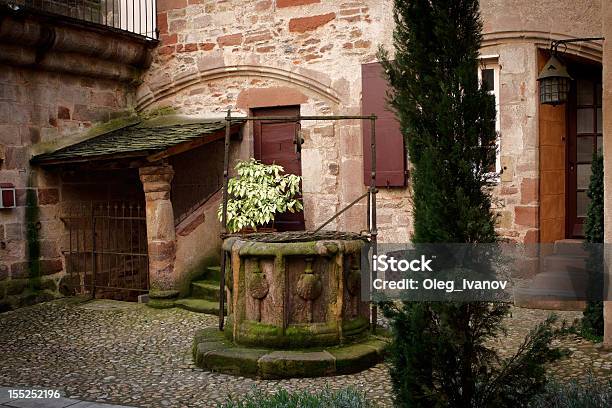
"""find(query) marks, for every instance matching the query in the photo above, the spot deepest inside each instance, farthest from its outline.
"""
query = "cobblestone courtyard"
(126, 353)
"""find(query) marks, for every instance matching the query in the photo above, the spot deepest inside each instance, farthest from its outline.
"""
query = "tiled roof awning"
(138, 140)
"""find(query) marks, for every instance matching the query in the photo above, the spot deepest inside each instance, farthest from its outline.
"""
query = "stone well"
(295, 294)
(295, 308)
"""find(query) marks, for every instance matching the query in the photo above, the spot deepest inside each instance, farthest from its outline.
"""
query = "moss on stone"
(354, 358)
(156, 113)
(209, 334)
(277, 249)
(355, 326)
(235, 361)
(213, 272)
(113, 124)
(160, 303)
(212, 351)
(117, 123)
(295, 336)
(48, 284)
(228, 329)
(163, 294)
(256, 333)
(208, 290)
(15, 286)
(283, 364)
(198, 272)
(198, 305)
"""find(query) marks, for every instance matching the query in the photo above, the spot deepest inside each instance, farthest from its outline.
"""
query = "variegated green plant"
(257, 193)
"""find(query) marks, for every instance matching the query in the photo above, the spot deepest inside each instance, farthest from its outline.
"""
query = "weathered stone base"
(212, 351)
(162, 299)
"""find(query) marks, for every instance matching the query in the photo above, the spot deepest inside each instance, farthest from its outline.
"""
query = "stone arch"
(589, 50)
(149, 94)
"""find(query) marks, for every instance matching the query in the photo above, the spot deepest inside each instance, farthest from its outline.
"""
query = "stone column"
(161, 237)
(607, 153)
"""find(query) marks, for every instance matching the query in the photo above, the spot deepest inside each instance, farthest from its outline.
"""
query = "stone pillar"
(161, 237)
(607, 153)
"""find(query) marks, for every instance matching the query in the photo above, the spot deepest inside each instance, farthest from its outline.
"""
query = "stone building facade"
(517, 35)
(58, 83)
(245, 55)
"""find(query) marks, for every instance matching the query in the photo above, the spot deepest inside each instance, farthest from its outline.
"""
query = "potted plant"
(257, 193)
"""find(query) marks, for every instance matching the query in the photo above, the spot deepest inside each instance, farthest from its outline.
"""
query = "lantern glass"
(554, 90)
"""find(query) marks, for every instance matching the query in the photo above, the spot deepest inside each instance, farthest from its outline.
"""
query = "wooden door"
(584, 138)
(274, 144)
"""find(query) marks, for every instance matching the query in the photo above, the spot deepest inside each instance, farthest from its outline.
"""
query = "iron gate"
(106, 249)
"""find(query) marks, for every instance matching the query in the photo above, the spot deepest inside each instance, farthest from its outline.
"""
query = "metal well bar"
(228, 124)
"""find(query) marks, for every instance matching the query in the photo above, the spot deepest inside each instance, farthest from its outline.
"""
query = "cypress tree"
(440, 355)
(593, 320)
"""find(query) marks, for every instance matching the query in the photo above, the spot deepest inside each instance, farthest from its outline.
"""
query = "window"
(488, 75)
(7, 196)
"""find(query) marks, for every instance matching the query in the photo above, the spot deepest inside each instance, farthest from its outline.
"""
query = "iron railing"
(133, 16)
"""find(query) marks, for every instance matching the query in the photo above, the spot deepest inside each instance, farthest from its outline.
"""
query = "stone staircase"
(204, 296)
(562, 276)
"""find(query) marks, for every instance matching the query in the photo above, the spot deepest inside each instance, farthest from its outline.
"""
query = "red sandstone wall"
(37, 107)
(248, 54)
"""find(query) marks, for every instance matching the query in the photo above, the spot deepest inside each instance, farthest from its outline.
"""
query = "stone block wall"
(42, 108)
(531, 185)
(240, 55)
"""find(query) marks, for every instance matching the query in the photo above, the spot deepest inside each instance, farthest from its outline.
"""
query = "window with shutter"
(390, 151)
(488, 75)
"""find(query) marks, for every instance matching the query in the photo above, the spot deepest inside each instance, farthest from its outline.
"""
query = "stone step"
(205, 289)
(213, 273)
(554, 263)
(570, 247)
(198, 305)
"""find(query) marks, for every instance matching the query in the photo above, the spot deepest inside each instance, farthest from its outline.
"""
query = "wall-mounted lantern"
(554, 82)
(554, 79)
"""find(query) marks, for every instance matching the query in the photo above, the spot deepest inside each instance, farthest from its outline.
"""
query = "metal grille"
(106, 249)
(198, 175)
(134, 16)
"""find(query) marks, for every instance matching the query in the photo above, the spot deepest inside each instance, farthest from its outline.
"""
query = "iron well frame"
(370, 194)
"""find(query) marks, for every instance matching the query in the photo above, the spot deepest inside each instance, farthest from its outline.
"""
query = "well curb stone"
(213, 352)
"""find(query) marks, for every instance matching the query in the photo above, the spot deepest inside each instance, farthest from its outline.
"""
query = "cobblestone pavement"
(125, 353)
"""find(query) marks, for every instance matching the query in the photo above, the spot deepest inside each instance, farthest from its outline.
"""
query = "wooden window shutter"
(390, 151)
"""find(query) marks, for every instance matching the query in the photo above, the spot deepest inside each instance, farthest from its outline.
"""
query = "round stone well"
(294, 308)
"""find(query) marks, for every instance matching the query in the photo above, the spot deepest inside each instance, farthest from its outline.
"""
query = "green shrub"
(257, 193)
(593, 319)
(344, 398)
(441, 355)
(592, 394)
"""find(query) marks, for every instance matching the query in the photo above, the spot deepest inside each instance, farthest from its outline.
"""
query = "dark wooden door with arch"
(274, 144)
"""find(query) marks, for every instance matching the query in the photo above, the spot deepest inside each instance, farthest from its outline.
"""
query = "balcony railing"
(134, 16)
